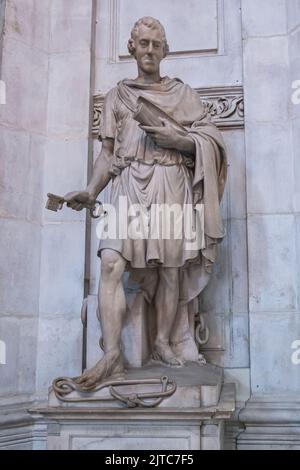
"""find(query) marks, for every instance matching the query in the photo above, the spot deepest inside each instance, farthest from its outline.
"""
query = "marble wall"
(23, 129)
(44, 127)
(44, 130)
(271, 182)
(65, 169)
(271, 64)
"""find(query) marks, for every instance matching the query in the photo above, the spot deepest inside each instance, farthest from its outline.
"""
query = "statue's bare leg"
(112, 306)
(166, 301)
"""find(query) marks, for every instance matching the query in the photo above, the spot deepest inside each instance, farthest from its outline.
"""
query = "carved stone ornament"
(225, 105)
(98, 106)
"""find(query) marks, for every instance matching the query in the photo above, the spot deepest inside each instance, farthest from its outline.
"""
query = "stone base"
(271, 422)
(196, 386)
(192, 419)
(18, 429)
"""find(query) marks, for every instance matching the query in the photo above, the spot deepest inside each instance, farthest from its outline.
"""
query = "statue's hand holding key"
(77, 200)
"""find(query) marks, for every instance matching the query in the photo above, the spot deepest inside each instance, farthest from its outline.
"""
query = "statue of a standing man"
(154, 166)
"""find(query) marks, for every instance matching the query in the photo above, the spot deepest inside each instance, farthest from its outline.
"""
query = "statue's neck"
(148, 79)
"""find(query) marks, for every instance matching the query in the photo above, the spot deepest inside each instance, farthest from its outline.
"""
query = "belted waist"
(124, 162)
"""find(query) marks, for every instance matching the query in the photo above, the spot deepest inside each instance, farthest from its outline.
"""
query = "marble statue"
(181, 160)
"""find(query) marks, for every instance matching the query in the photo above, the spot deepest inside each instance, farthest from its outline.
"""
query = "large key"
(55, 203)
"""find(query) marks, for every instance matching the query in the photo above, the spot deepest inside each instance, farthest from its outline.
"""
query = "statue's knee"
(111, 264)
(108, 267)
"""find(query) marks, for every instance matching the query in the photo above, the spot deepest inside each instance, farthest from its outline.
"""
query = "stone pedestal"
(192, 418)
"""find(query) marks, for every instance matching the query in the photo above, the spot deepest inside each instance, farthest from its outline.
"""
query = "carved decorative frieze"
(225, 106)
(98, 105)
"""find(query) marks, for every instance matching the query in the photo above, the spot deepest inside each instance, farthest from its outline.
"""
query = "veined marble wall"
(23, 138)
(44, 129)
(65, 169)
(294, 58)
(23, 129)
(273, 298)
(271, 63)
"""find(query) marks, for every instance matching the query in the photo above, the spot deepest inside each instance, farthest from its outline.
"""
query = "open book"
(148, 114)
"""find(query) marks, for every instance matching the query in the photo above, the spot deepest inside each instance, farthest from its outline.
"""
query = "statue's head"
(148, 41)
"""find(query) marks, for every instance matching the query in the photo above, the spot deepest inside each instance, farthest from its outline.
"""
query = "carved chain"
(63, 386)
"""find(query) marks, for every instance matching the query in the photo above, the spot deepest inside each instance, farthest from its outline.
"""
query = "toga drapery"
(147, 174)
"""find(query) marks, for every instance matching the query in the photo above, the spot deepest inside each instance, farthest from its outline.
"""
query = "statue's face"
(149, 49)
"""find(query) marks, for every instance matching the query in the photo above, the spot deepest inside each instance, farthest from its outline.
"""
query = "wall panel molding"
(214, 47)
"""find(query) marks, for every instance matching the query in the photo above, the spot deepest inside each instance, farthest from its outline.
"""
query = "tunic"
(147, 176)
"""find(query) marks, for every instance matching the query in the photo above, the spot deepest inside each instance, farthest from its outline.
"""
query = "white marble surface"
(61, 279)
(19, 373)
(21, 197)
(293, 14)
(264, 17)
(272, 263)
(27, 86)
(23, 123)
(272, 368)
(271, 64)
(266, 71)
(70, 26)
(20, 268)
(65, 169)
(68, 105)
(28, 22)
(59, 350)
(270, 168)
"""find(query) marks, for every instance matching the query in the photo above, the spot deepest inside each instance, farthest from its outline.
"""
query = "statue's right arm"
(101, 176)
(101, 173)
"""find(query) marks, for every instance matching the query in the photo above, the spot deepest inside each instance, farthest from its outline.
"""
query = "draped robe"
(147, 174)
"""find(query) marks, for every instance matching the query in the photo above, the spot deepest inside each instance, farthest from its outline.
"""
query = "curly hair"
(150, 23)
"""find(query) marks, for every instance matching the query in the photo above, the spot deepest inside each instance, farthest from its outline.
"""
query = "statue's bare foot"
(187, 351)
(163, 352)
(110, 364)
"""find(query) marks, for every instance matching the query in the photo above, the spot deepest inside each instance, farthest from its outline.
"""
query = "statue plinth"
(190, 386)
(191, 418)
